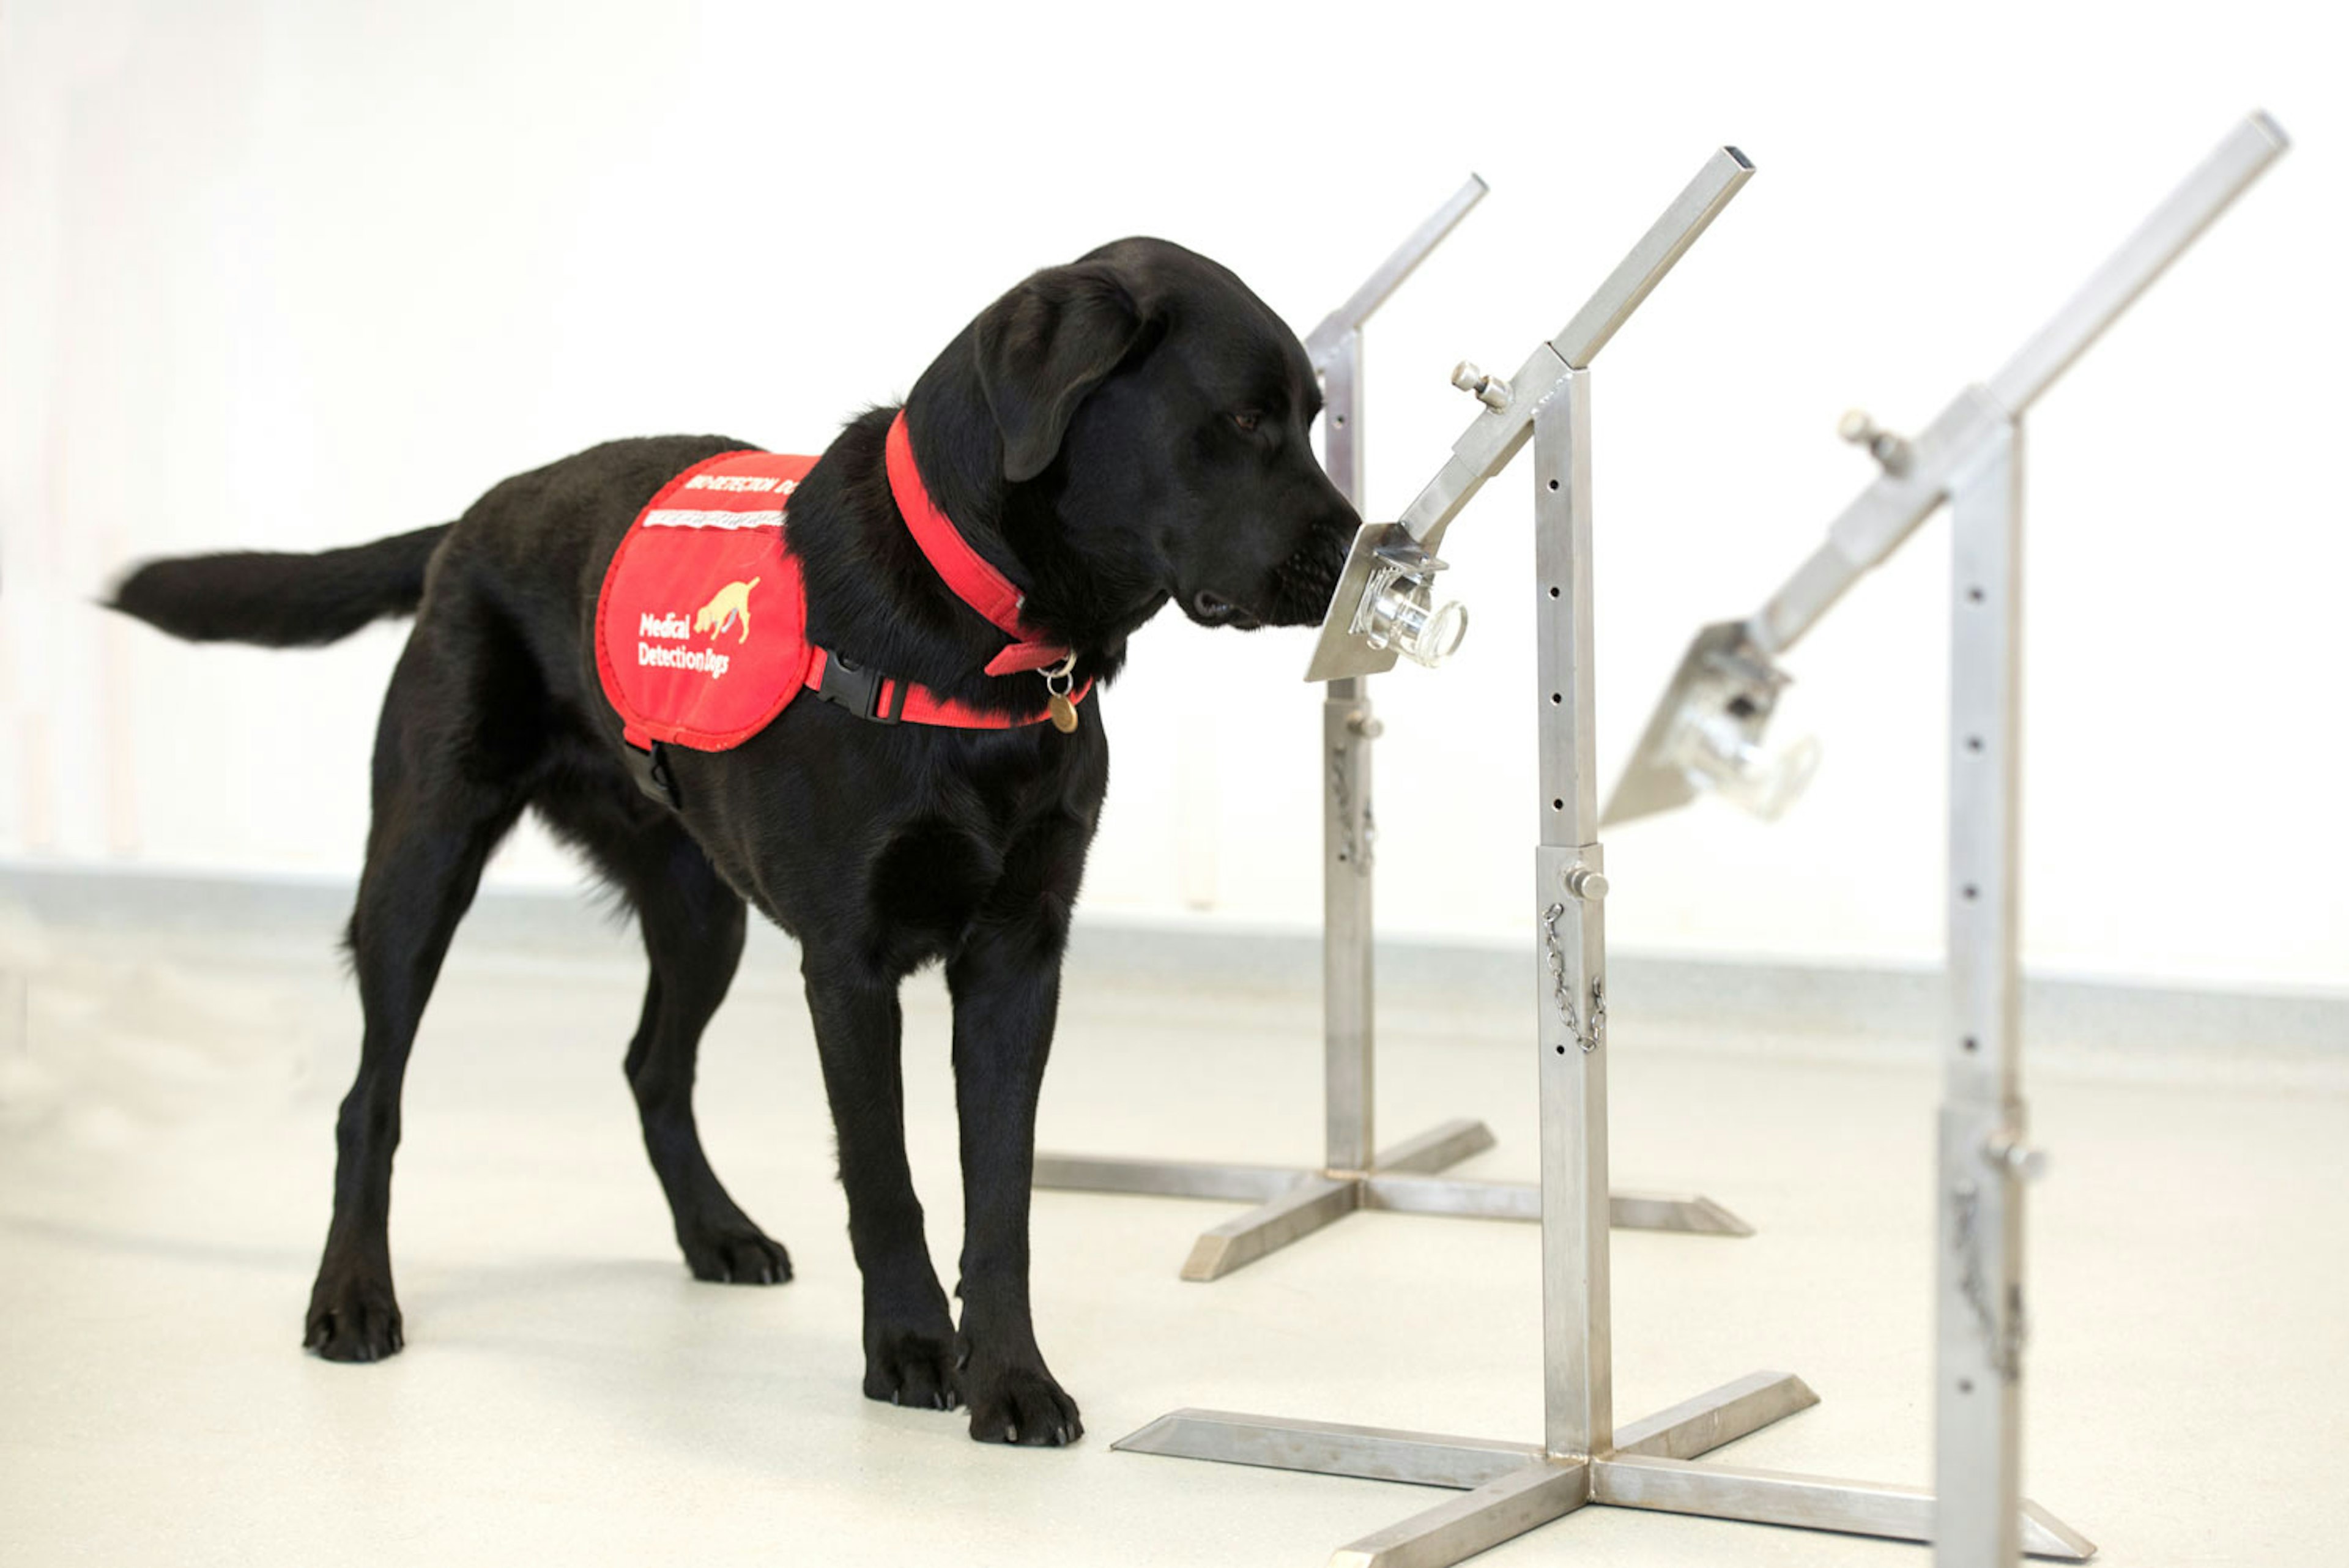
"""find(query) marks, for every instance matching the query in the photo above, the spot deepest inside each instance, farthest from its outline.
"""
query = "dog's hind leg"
(908, 1331)
(693, 928)
(443, 798)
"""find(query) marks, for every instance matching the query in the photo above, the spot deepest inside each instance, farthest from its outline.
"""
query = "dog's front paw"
(912, 1366)
(1020, 1405)
(353, 1318)
(734, 1251)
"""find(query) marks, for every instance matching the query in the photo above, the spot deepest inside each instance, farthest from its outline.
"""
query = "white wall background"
(283, 274)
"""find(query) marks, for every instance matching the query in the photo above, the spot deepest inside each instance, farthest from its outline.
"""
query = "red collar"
(962, 568)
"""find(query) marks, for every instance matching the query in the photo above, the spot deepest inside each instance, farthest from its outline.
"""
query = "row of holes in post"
(1972, 1042)
(1557, 697)
(1974, 595)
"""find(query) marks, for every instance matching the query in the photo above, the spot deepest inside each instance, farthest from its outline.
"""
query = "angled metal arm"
(1321, 344)
(1487, 445)
(1889, 510)
(2193, 207)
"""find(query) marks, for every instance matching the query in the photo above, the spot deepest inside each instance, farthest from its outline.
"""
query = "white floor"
(569, 1395)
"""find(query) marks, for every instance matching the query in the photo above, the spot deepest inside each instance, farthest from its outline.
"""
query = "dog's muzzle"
(1210, 609)
(1302, 584)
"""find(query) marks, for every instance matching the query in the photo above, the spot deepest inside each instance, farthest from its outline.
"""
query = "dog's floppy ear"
(1043, 348)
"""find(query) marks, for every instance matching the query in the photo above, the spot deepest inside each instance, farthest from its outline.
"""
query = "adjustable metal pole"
(1349, 976)
(1569, 881)
(1348, 973)
(1977, 1297)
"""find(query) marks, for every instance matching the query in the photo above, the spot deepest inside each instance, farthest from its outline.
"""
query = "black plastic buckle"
(858, 690)
(651, 772)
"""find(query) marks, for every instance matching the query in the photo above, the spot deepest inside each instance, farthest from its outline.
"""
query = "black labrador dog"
(1112, 434)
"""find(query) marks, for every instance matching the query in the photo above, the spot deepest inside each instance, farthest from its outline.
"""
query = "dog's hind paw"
(356, 1321)
(738, 1253)
(1023, 1405)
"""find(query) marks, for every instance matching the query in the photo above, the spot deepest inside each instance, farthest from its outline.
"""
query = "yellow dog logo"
(733, 604)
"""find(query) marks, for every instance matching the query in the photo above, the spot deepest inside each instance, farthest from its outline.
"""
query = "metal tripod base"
(1510, 1488)
(1291, 1203)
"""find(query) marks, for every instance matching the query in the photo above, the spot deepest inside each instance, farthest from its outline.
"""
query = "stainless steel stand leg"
(1806, 1502)
(1717, 1416)
(1165, 1178)
(1673, 1211)
(1312, 1204)
(1328, 1449)
(1522, 1200)
(1438, 1148)
(1462, 1526)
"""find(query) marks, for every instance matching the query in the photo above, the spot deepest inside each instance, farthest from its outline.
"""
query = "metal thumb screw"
(1586, 884)
(2019, 1158)
(1891, 450)
(1490, 391)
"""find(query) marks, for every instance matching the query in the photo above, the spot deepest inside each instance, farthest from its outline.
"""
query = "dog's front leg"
(1006, 984)
(908, 1331)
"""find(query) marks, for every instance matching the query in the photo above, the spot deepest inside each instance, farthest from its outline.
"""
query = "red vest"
(701, 627)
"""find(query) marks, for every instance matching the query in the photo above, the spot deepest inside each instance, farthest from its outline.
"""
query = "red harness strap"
(895, 702)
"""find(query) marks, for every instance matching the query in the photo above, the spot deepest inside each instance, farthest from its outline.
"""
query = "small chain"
(1556, 945)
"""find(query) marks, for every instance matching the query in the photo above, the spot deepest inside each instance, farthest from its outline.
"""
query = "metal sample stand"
(1584, 1457)
(1972, 458)
(1355, 1173)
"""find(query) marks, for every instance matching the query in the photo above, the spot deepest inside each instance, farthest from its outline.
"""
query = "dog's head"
(1161, 411)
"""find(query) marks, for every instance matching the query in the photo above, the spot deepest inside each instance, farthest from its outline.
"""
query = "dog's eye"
(1247, 419)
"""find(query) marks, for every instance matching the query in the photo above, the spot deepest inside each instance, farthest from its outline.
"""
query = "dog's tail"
(281, 600)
